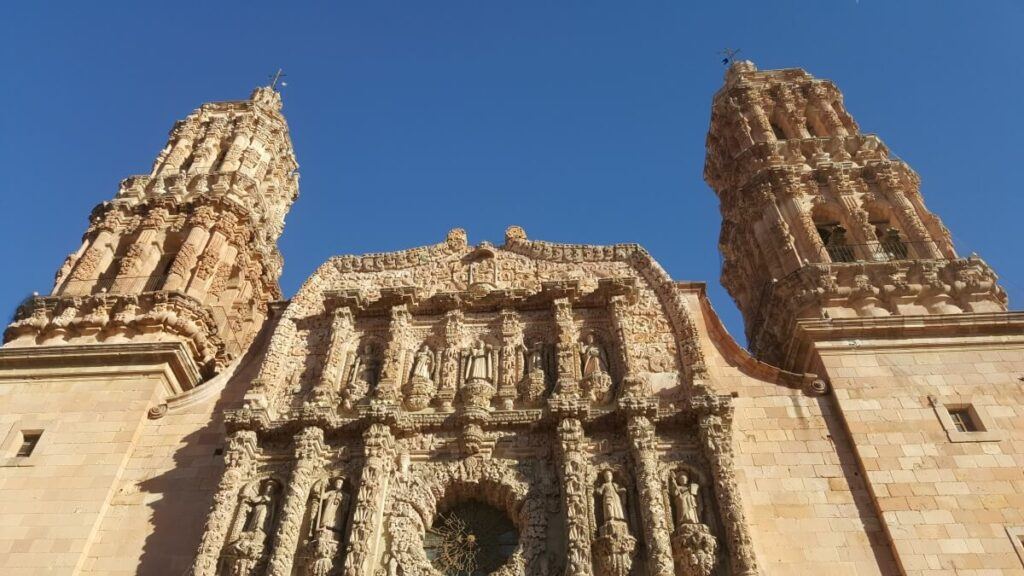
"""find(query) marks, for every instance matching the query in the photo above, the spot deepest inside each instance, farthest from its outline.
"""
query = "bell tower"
(819, 220)
(185, 254)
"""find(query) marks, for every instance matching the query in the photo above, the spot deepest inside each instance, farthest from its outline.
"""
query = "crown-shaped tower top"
(818, 219)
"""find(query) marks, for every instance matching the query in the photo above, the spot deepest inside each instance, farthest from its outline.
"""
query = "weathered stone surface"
(528, 408)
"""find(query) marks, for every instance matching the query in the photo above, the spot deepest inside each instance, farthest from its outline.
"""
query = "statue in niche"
(478, 375)
(421, 387)
(329, 503)
(684, 498)
(246, 546)
(614, 546)
(365, 374)
(478, 364)
(596, 379)
(695, 548)
(537, 360)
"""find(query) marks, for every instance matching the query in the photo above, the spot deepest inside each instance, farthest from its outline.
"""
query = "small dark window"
(962, 420)
(780, 134)
(29, 440)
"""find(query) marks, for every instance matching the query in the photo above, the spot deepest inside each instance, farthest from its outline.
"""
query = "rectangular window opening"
(963, 420)
(29, 441)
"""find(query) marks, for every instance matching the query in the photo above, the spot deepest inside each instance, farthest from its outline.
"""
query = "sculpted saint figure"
(330, 506)
(684, 496)
(259, 515)
(478, 363)
(611, 499)
(594, 360)
(423, 363)
(366, 369)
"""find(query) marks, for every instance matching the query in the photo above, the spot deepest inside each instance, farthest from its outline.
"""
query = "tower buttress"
(819, 220)
(186, 253)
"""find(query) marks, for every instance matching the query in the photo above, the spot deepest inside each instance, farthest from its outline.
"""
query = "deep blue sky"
(580, 121)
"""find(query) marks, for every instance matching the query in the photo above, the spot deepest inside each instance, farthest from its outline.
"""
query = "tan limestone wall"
(156, 517)
(805, 501)
(51, 502)
(946, 505)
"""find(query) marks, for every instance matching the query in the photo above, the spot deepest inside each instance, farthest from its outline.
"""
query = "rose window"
(470, 539)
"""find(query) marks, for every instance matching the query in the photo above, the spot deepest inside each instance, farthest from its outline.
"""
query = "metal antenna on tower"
(729, 55)
(276, 77)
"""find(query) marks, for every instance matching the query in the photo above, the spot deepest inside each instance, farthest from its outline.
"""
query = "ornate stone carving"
(420, 389)
(614, 545)
(247, 544)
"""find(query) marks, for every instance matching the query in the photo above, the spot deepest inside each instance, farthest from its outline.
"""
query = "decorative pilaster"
(364, 537)
(716, 446)
(644, 456)
(239, 459)
(510, 360)
(568, 363)
(310, 451)
(576, 495)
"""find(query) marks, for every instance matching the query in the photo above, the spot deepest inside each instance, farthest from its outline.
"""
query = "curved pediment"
(576, 318)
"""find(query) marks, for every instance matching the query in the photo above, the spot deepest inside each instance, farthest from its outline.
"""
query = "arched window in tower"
(833, 236)
(890, 241)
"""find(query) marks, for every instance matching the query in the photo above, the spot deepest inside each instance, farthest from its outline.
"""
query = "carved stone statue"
(329, 505)
(610, 495)
(684, 498)
(478, 375)
(614, 546)
(478, 364)
(536, 361)
(246, 548)
(695, 547)
(421, 387)
(596, 379)
(365, 374)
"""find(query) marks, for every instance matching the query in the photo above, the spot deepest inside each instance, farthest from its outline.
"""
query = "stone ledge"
(171, 359)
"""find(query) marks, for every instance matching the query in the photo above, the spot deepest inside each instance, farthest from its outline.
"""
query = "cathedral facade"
(529, 408)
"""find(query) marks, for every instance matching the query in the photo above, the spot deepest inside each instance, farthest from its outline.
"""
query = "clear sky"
(580, 121)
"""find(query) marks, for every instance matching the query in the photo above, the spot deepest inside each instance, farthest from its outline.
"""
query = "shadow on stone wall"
(180, 498)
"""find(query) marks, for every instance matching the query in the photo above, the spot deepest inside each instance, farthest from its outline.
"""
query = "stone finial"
(268, 97)
(456, 238)
(514, 234)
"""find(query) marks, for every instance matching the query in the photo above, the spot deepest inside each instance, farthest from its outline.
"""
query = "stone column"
(368, 515)
(325, 390)
(185, 260)
(96, 256)
(643, 452)
(220, 251)
(509, 361)
(716, 446)
(310, 452)
(240, 459)
(138, 263)
(568, 383)
(576, 494)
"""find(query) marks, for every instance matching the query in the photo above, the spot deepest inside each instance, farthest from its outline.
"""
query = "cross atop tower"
(276, 77)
